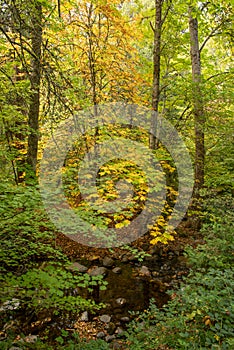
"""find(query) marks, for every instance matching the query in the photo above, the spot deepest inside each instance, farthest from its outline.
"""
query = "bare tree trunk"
(35, 78)
(198, 110)
(199, 118)
(153, 142)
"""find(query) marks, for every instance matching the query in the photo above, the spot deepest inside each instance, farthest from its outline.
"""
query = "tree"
(156, 70)
(198, 108)
(35, 79)
(100, 43)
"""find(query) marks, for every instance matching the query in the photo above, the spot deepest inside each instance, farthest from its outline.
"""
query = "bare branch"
(212, 34)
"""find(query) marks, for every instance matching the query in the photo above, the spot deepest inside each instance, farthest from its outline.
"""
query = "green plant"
(138, 254)
(50, 288)
(86, 345)
(200, 314)
(27, 236)
(36, 274)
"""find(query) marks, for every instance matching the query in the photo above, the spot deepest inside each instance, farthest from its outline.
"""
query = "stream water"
(129, 291)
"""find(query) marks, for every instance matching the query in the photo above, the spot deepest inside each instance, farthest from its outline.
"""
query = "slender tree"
(35, 78)
(198, 108)
(156, 72)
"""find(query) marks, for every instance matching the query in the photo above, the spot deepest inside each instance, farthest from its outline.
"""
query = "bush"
(200, 315)
(27, 236)
(36, 276)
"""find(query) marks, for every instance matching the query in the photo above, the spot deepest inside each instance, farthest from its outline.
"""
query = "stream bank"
(132, 281)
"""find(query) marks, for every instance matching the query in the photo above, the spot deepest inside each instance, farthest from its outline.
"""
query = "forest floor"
(94, 256)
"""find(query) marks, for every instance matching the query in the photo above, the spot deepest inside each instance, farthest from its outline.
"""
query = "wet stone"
(84, 316)
(121, 301)
(132, 258)
(97, 271)
(100, 335)
(79, 267)
(31, 338)
(125, 319)
(155, 273)
(116, 345)
(117, 270)
(119, 330)
(124, 259)
(105, 318)
(144, 271)
(108, 262)
(109, 338)
(10, 305)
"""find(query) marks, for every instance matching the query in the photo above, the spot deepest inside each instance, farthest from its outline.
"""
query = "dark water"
(136, 291)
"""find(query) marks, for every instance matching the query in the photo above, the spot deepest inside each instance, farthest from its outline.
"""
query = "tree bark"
(153, 141)
(35, 78)
(199, 121)
(198, 109)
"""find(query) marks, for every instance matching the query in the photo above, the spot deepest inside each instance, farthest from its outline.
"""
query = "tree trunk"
(199, 119)
(153, 141)
(35, 78)
(198, 110)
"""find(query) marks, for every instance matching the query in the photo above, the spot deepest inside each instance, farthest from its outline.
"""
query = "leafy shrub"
(200, 315)
(63, 343)
(27, 236)
(50, 288)
(35, 272)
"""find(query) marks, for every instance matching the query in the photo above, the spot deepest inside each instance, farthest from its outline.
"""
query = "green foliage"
(78, 344)
(218, 233)
(35, 273)
(200, 315)
(51, 288)
(65, 341)
(133, 179)
(27, 236)
(138, 254)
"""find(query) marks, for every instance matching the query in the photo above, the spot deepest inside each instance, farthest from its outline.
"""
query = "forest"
(116, 174)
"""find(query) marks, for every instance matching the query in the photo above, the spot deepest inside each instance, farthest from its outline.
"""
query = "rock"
(124, 259)
(95, 271)
(132, 258)
(105, 318)
(144, 271)
(85, 316)
(79, 267)
(119, 330)
(155, 273)
(121, 301)
(100, 335)
(108, 262)
(95, 258)
(125, 319)
(31, 338)
(116, 345)
(10, 305)
(109, 338)
(117, 270)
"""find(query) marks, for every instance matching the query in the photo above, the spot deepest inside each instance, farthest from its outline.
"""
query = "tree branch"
(212, 33)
